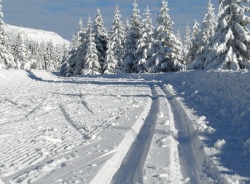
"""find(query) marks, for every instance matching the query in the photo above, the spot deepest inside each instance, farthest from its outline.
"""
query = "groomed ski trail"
(126, 166)
(102, 130)
(162, 163)
(162, 148)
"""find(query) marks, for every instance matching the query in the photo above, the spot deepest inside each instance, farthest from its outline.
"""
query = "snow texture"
(188, 127)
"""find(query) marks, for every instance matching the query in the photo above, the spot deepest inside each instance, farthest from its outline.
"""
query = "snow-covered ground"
(188, 127)
(35, 35)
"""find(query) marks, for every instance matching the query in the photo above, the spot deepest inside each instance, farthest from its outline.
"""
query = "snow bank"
(223, 98)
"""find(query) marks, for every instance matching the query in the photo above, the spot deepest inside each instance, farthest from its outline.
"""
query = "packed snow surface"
(189, 127)
(35, 35)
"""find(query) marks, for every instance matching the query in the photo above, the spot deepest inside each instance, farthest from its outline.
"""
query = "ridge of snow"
(35, 34)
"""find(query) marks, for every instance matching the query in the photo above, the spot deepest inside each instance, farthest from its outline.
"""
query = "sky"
(62, 16)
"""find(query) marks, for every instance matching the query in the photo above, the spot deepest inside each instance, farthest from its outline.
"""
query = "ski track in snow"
(99, 130)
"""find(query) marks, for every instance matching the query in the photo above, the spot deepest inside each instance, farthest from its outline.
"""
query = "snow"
(185, 127)
(35, 35)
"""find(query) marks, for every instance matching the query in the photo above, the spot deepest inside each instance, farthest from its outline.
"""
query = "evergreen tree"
(73, 60)
(6, 58)
(207, 32)
(187, 45)
(127, 26)
(110, 64)
(101, 37)
(163, 52)
(50, 57)
(79, 37)
(208, 26)
(230, 46)
(32, 48)
(131, 41)
(144, 43)
(42, 55)
(117, 36)
(176, 55)
(179, 44)
(20, 53)
(195, 39)
(91, 61)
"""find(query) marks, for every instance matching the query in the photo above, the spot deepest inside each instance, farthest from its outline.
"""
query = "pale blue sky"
(61, 16)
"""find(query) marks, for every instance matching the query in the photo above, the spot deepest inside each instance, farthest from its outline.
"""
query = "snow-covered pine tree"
(131, 40)
(162, 53)
(36, 55)
(20, 53)
(110, 64)
(59, 53)
(79, 57)
(6, 58)
(176, 54)
(101, 37)
(187, 45)
(127, 26)
(179, 43)
(32, 48)
(207, 32)
(73, 60)
(51, 62)
(117, 36)
(41, 55)
(229, 49)
(144, 43)
(91, 61)
(81, 31)
(195, 39)
(79, 37)
(208, 26)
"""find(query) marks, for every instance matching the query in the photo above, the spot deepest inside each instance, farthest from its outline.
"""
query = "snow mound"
(34, 34)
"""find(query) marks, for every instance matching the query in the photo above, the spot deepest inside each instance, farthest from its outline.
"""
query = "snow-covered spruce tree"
(81, 32)
(41, 55)
(229, 49)
(81, 51)
(195, 39)
(176, 55)
(177, 52)
(51, 62)
(6, 58)
(101, 37)
(19, 52)
(32, 52)
(73, 60)
(79, 37)
(163, 51)
(144, 43)
(187, 45)
(110, 64)
(91, 61)
(131, 40)
(207, 32)
(208, 26)
(127, 26)
(59, 51)
(179, 43)
(117, 36)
